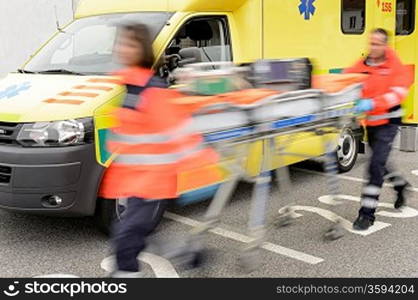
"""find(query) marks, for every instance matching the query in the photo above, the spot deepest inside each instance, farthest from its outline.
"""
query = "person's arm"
(358, 67)
(398, 90)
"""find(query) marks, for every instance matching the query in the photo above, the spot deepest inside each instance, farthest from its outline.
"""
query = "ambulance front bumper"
(51, 181)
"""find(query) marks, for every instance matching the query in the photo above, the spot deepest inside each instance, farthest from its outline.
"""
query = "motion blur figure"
(384, 91)
(152, 143)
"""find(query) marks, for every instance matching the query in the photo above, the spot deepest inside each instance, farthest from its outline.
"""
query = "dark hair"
(382, 32)
(141, 34)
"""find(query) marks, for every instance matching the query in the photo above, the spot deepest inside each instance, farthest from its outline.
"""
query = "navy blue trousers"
(380, 140)
(138, 221)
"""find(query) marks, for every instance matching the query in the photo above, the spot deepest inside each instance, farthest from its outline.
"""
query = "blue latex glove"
(363, 105)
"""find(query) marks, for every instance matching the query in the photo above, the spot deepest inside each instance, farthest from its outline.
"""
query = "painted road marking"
(412, 189)
(405, 212)
(333, 217)
(414, 172)
(57, 276)
(247, 239)
(161, 267)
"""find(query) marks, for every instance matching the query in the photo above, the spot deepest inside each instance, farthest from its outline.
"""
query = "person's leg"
(400, 186)
(376, 171)
(136, 224)
(380, 140)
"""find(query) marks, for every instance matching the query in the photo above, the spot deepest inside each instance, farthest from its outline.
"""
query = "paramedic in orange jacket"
(152, 143)
(383, 92)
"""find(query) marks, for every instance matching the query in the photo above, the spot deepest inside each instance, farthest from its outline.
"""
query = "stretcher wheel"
(284, 221)
(197, 259)
(286, 218)
(189, 253)
(249, 260)
(335, 232)
(196, 253)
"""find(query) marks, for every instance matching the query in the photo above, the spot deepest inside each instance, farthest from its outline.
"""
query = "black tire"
(110, 210)
(347, 150)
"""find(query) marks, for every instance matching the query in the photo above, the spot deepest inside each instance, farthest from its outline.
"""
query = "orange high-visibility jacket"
(154, 143)
(387, 85)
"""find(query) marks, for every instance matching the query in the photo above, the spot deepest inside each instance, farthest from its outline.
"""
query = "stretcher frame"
(329, 120)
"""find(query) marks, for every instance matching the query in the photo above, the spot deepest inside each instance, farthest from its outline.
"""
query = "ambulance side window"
(202, 39)
(353, 14)
(405, 17)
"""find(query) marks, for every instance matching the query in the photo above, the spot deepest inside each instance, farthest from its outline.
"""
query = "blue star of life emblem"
(14, 90)
(307, 8)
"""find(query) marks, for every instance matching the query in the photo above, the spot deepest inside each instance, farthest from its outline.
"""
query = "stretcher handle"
(213, 108)
(202, 66)
(280, 98)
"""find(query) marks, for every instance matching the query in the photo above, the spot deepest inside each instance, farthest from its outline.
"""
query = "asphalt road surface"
(38, 246)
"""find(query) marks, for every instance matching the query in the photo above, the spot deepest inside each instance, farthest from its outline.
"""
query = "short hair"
(140, 33)
(382, 32)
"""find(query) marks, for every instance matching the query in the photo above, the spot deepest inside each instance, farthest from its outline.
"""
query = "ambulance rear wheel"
(110, 210)
(347, 150)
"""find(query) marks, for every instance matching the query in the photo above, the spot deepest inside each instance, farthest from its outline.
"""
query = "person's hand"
(363, 105)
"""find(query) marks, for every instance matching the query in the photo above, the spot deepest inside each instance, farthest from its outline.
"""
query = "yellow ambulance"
(54, 110)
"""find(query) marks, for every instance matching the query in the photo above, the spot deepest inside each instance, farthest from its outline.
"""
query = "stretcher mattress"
(346, 96)
(255, 106)
(278, 107)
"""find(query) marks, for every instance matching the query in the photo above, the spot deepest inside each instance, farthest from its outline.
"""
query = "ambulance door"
(357, 19)
(384, 17)
(406, 46)
(200, 38)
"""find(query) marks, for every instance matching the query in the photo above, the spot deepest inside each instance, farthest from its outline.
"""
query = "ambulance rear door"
(406, 39)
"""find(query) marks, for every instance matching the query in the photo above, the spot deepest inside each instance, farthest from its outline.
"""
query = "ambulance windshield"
(86, 45)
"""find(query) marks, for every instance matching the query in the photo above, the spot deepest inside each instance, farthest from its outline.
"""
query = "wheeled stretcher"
(231, 127)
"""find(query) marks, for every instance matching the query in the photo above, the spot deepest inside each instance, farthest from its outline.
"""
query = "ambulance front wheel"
(110, 210)
(347, 150)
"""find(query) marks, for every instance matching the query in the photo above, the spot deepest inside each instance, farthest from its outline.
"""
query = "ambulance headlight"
(56, 133)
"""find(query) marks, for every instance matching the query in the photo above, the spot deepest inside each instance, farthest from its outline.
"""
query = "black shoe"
(401, 195)
(363, 222)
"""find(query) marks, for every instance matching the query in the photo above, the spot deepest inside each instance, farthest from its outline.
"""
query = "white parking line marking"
(292, 253)
(405, 212)
(331, 216)
(412, 189)
(57, 276)
(161, 266)
(247, 239)
(414, 172)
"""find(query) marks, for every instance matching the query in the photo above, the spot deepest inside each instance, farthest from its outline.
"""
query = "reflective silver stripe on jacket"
(162, 137)
(131, 100)
(156, 159)
(401, 91)
(369, 202)
(392, 99)
(394, 114)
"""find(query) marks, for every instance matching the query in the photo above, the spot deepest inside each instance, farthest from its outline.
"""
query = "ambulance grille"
(8, 132)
